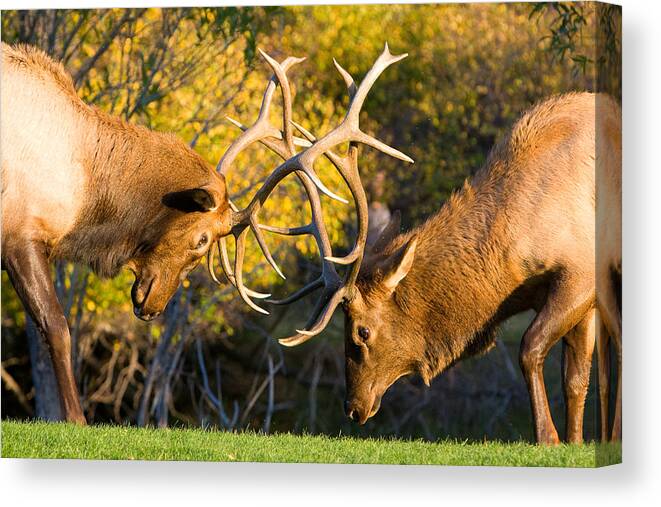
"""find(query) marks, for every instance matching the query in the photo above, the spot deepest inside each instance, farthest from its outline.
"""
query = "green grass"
(59, 440)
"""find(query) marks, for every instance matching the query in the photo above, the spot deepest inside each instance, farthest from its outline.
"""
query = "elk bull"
(537, 228)
(521, 235)
(83, 186)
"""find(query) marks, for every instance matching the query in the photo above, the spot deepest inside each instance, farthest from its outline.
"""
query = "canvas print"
(295, 234)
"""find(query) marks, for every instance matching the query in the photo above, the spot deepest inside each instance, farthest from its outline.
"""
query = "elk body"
(83, 186)
(521, 235)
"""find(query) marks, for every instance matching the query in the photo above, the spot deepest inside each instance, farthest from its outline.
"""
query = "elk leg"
(603, 368)
(616, 434)
(565, 306)
(29, 273)
(610, 315)
(576, 379)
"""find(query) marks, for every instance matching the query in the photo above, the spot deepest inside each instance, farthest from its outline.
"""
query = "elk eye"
(204, 239)
(364, 333)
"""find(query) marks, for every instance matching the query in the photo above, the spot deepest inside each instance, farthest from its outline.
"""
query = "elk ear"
(397, 266)
(193, 199)
(388, 233)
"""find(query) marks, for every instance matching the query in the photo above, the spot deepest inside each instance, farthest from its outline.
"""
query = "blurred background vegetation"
(472, 69)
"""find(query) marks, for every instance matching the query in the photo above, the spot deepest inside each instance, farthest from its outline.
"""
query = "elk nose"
(348, 410)
(145, 316)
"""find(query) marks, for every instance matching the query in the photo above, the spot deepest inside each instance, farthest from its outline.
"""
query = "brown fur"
(524, 226)
(39, 64)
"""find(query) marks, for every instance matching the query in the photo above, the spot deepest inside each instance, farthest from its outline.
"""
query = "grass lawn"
(59, 440)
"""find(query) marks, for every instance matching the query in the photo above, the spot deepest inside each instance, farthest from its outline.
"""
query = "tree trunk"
(46, 392)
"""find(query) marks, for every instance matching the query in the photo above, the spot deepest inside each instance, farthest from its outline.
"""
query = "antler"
(283, 143)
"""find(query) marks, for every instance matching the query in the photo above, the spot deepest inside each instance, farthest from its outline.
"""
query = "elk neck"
(461, 283)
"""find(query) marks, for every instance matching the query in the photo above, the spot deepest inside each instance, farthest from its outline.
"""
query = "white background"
(636, 482)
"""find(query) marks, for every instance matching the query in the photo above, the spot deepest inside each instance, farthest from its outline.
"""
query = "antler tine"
(225, 260)
(300, 293)
(210, 266)
(285, 89)
(348, 80)
(385, 60)
(348, 168)
(325, 312)
(298, 141)
(238, 272)
(288, 231)
(287, 150)
(227, 269)
(261, 128)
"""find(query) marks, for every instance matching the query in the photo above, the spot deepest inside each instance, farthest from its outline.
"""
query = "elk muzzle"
(360, 407)
(357, 411)
(140, 292)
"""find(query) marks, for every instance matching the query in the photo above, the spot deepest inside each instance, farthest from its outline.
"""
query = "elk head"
(334, 290)
(189, 223)
(381, 344)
